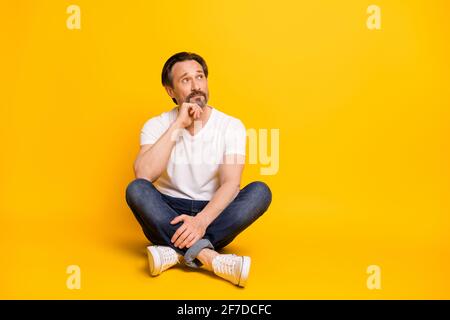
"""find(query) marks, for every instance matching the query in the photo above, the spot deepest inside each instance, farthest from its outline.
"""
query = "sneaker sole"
(245, 270)
(154, 261)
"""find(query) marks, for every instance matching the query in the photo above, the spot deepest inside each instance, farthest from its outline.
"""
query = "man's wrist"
(203, 218)
(175, 130)
(177, 124)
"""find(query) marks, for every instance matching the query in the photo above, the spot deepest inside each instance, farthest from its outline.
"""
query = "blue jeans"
(154, 211)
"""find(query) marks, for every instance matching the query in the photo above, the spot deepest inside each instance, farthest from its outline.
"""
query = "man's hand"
(187, 113)
(192, 230)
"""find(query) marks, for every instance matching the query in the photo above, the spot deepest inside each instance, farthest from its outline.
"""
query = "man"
(186, 195)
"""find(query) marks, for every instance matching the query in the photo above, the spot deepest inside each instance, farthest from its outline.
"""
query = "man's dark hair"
(166, 76)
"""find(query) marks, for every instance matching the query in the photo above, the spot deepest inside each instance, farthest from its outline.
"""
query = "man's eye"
(200, 76)
(184, 80)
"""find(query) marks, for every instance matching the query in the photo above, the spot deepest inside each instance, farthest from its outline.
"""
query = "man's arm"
(194, 228)
(230, 173)
(152, 159)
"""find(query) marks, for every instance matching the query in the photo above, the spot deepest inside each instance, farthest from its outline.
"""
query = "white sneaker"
(232, 268)
(161, 258)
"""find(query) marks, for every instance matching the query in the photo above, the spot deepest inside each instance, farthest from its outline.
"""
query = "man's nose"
(195, 86)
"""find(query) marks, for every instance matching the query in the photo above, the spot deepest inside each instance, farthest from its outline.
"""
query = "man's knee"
(136, 188)
(261, 188)
(262, 192)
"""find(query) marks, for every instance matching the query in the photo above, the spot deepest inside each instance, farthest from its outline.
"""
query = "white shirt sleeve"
(152, 130)
(235, 138)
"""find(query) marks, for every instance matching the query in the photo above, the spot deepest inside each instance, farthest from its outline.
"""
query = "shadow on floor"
(137, 248)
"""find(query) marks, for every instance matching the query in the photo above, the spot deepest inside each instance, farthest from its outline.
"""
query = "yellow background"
(363, 115)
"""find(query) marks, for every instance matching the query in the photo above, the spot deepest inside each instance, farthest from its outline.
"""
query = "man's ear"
(170, 91)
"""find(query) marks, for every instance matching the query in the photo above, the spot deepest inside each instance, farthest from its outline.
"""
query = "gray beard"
(199, 101)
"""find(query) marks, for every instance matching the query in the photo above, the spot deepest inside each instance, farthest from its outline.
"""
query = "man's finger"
(187, 240)
(182, 237)
(177, 219)
(193, 241)
(177, 236)
(177, 233)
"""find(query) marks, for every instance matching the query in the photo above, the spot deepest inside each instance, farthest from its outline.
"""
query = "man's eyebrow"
(184, 74)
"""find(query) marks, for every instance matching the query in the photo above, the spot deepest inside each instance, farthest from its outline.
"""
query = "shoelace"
(168, 256)
(226, 264)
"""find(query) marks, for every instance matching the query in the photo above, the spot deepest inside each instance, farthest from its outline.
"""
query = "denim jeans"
(154, 211)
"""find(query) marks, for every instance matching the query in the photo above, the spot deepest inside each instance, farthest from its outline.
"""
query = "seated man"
(186, 195)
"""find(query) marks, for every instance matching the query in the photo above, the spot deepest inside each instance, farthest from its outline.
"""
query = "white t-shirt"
(192, 170)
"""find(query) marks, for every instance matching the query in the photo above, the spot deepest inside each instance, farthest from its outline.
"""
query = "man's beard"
(196, 97)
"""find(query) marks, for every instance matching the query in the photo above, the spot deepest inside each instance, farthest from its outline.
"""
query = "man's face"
(189, 83)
